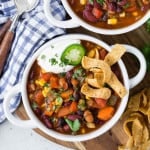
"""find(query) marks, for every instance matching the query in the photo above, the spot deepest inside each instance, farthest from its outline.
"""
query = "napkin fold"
(32, 31)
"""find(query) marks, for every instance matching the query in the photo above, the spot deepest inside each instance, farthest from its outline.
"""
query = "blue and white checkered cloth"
(32, 31)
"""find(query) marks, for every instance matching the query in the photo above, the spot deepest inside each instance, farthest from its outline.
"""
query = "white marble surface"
(16, 138)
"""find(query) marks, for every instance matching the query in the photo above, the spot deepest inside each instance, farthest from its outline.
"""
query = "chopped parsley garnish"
(78, 73)
(56, 55)
(62, 64)
(98, 1)
(53, 61)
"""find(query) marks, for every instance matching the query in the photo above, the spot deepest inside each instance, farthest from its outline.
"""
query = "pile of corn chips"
(102, 74)
(137, 122)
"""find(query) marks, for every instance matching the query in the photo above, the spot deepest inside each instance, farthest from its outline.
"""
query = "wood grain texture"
(116, 136)
(4, 29)
(4, 48)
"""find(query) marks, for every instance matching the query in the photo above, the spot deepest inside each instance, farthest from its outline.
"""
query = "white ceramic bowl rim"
(64, 137)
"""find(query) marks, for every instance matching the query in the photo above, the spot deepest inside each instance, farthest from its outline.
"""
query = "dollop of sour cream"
(49, 59)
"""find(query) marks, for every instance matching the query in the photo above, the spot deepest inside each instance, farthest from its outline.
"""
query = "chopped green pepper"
(73, 54)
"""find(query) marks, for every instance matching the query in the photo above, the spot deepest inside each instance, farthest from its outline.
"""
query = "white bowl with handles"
(75, 21)
(34, 122)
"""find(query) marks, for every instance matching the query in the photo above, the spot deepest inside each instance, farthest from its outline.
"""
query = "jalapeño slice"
(73, 54)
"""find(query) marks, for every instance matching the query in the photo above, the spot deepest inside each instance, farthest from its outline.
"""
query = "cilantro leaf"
(74, 125)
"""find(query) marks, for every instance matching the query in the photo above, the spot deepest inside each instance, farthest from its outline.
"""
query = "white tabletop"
(16, 138)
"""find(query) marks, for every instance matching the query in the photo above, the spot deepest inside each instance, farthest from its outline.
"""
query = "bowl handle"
(14, 120)
(142, 70)
(62, 24)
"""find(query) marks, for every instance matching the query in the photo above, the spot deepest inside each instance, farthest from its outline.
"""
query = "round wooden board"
(116, 136)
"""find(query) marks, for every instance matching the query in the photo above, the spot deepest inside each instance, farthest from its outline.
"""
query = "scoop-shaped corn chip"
(103, 93)
(116, 85)
(94, 82)
(115, 54)
(103, 74)
(88, 63)
(136, 119)
(98, 80)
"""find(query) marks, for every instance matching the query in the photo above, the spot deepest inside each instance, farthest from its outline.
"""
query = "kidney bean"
(66, 128)
(68, 75)
(89, 16)
(112, 7)
(67, 103)
(145, 8)
(97, 5)
(119, 9)
(68, 78)
(47, 122)
(122, 2)
(74, 117)
(113, 1)
(38, 111)
(89, 7)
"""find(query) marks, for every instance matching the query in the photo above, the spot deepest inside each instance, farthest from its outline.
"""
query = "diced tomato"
(39, 98)
(97, 12)
(54, 82)
(101, 102)
(131, 9)
(46, 76)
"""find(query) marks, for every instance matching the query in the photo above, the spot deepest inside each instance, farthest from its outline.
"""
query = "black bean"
(104, 17)
(80, 112)
(98, 122)
(61, 122)
(76, 94)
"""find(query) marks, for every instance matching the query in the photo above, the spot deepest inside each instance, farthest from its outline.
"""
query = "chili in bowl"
(107, 17)
(75, 87)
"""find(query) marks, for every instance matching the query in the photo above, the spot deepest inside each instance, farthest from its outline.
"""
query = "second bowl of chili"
(109, 17)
